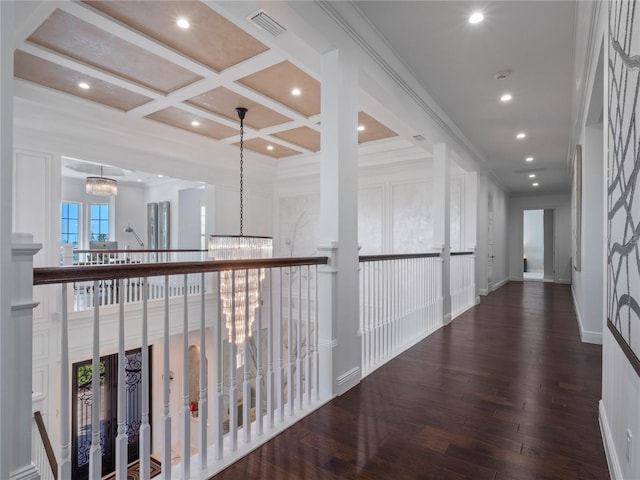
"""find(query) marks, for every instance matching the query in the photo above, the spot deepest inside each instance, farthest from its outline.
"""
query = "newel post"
(22, 251)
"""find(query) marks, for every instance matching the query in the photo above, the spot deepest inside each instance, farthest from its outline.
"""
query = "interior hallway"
(508, 391)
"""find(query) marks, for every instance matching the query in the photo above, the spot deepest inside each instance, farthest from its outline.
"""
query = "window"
(69, 223)
(99, 222)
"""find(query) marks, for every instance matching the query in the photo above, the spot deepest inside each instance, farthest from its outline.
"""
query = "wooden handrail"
(457, 254)
(396, 256)
(53, 463)
(68, 274)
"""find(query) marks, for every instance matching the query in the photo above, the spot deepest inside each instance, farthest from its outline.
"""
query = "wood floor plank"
(506, 392)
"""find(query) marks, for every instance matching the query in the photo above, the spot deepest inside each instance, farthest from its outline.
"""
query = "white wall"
(533, 240)
(562, 207)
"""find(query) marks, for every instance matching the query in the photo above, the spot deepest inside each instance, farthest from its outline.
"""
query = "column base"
(30, 472)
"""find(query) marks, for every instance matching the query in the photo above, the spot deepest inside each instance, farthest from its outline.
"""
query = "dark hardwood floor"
(507, 391)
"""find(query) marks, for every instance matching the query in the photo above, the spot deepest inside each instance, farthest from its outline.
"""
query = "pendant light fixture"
(239, 289)
(101, 185)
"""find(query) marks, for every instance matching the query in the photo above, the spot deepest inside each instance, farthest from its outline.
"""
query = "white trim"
(609, 446)
(30, 472)
(501, 283)
(483, 292)
(586, 336)
(349, 377)
(564, 281)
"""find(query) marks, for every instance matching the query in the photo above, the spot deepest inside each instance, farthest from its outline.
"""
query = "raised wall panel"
(370, 220)
(411, 217)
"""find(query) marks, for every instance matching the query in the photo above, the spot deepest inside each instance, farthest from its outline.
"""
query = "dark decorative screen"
(623, 205)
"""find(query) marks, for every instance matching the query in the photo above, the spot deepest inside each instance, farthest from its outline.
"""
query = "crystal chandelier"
(102, 185)
(239, 289)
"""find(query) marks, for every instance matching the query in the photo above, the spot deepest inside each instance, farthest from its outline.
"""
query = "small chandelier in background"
(240, 289)
(102, 185)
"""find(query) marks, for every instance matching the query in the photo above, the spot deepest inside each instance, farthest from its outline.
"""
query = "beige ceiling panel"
(77, 39)
(48, 74)
(211, 39)
(279, 80)
(179, 118)
(223, 102)
(260, 145)
(304, 136)
(373, 129)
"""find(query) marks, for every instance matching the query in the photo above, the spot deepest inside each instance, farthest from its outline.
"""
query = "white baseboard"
(501, 283)
(585, 335)
(515, 279)
(477, 299)
(564, 281)
(446, 320)
(483, 291)
(609, 447)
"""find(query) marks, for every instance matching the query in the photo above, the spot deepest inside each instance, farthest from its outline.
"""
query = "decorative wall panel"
(412, 217)
(370, 220)
(623, 206)
(299, 220)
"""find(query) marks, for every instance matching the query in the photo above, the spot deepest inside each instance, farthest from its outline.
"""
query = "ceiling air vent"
(419, 138)
(264, 21)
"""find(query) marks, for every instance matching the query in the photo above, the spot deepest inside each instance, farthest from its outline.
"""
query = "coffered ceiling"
(134, 57)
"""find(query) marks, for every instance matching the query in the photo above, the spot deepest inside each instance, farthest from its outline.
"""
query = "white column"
(8, 346)
(442, 219)
(339, 342)
(481, 231)
(19, 325)
(121, 438)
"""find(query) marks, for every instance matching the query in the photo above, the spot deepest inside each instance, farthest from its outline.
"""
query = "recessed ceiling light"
(183, 23)
(195, 123)
(521, 135)
(535, 184)
(528, 159)
(532, 175)
(160, 175)
(476, 17)
(269, 147)
(506, 97)
(84, 85)
(139, 180)
(296, 92)
(361, 128)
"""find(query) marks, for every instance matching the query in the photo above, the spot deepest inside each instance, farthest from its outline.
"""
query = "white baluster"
(185, 463)
(219, 406)
(233, 388)
(270, 347)
(95, 453)
(299, 391)
(166, 417)
(290, 365)
(307, 352)
(280, 371)
(203, 407)
(145, 429)
(316, 353)
(259, 379)
(246, 381)
(64, 466)
(121, 438)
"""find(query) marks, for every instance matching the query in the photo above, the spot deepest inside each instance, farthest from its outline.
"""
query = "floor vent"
(264, 21)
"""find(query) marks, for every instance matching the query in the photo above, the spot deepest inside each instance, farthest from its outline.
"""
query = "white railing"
(462, 281)
(84, 295)
(400, 304)
(260, 385)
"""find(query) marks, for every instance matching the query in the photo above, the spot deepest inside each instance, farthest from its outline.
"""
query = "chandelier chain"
(241, 171)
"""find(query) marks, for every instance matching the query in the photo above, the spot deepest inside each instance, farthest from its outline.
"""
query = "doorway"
(538, 245)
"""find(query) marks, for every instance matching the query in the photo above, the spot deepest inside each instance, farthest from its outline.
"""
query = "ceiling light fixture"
(102, 186)
(535, 184)
(532, 175)
(361, 128)
(521, 135)
(528, 159)
(84, 85)
(240, 289)
(476, 17)
(195, 123)
(160, 175)
(139, 180)
(183, 23)
(269, 147)
(506, 97)
(296, 92)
